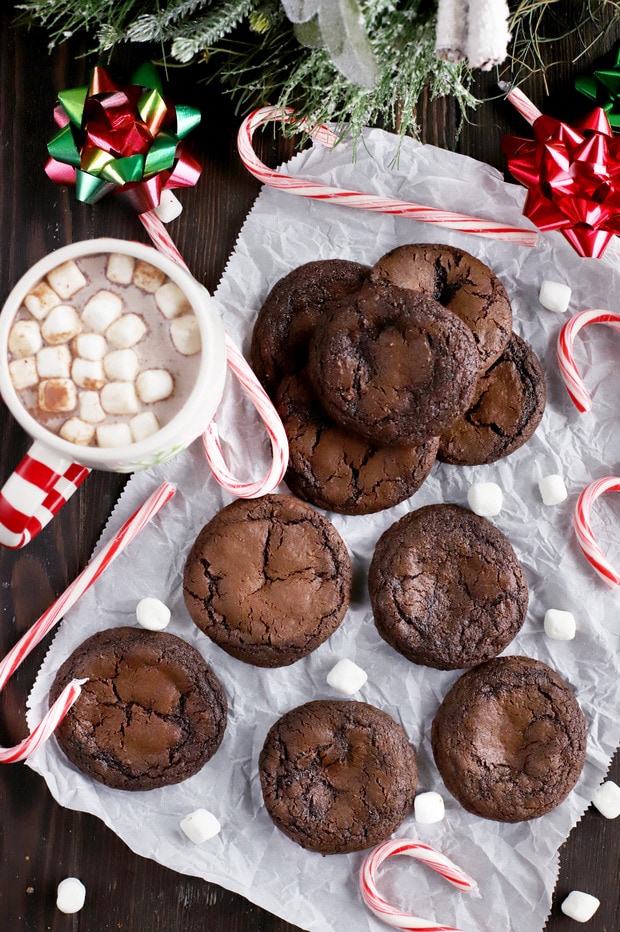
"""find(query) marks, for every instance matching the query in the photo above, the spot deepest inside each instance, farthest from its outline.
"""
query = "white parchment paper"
(515, 865)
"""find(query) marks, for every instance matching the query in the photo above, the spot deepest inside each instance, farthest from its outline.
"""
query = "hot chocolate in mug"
(113, 357)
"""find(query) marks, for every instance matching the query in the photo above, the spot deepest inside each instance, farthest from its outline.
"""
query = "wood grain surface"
(41, 843)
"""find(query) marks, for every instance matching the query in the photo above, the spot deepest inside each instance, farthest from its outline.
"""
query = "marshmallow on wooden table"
(90, 407)
(428, 808)
(121, 365)
(346, 677)
(607, 799)
(25, 338)
(143, 425)
(485, 499)
(102, 310)
(70, 895)
(154, 385)
(113, 435)
(580, 906)
(171, 301)
(152, 614)
(66, 279)
(126, 331)
(147, 277)
(41, 300)
(185, 334)
(23, 372)
(61, 324)
(75, 430)
(54, 362)
(88, 373)
(554, 296)
(552, 489)
(57, 396)
(559, 625)
(119, 398)
(91, 346)
(200, 825)
(119, 268)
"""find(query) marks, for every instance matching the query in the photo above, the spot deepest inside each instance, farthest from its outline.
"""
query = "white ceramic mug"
(54, 467)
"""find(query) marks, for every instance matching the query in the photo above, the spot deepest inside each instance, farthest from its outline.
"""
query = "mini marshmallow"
(75, 430)
(66, 279)
(143, 425)
(121, 365)
(113, 435)
(88, 373)
(346, 677)
(126, 331)
(119, 268)
(554, 296)
(102, 310)
(171, 301)
(61, 324)
(90, 407)
(607, 799)
(147, 277)
(485, 499)
(428, 808)
(200, 825)
(185, 334)
(71, 895)
(25, 338)
(580, 906)
(169, 206)
(559, 625)
(57, 396)
(23, 372)
(54, 362)
(119, 398)
(552, 489)
(154, 385)
(152, 614)
(41, 300)
(91, 346)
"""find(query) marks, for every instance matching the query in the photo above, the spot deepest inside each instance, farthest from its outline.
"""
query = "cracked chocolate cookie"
(507, 407)
(268, 580)
(460, 282)
(446, 588)
(509, 739)
(392, 366)
(337, 776)
(151, 713)
(339, 471)
(291, 311)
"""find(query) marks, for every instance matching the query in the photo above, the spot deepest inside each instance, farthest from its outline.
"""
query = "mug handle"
(270, 418)
(35, 492)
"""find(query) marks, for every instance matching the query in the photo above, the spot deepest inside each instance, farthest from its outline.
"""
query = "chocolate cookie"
(507, 407)
(392, 366)
(268, 579)
(509, 739)
(151, 713)
(461, 283)
(291, 310)
(339, 471)
(446, 588)
(337, 776)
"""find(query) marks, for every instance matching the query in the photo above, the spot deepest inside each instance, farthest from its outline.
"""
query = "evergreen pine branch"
(189, 39)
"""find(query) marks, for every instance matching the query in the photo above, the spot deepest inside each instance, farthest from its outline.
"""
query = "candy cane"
(130, 529)
(438, 862)
(575, 385)
(322, 192)
(581, 521)
(521, 103)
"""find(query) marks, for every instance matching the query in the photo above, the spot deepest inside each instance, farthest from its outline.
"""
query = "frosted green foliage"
(343, 30)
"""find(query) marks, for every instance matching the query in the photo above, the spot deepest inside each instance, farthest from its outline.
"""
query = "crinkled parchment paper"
(515, 865)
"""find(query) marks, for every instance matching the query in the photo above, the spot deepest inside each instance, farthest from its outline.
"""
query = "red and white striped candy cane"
(438, 862)
(522, 104)
(581, 521)
(306, 188)
(575, 385)
(250, 385)
(130, 529)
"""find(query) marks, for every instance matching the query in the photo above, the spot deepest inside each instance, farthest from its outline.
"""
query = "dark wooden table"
(41, 843)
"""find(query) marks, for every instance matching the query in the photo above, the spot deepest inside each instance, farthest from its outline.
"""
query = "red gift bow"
(573, 178)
